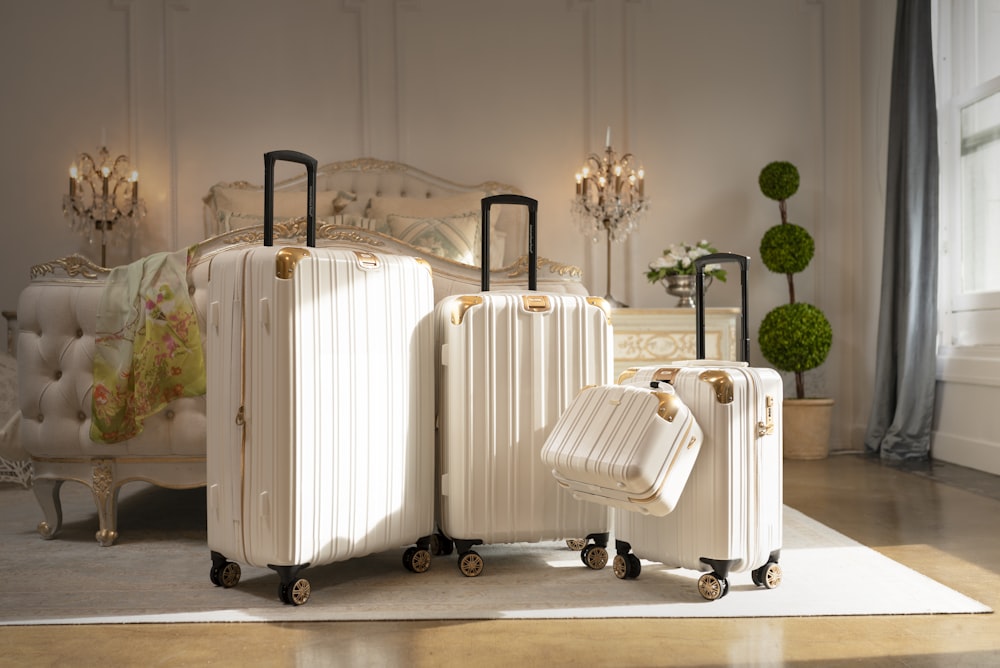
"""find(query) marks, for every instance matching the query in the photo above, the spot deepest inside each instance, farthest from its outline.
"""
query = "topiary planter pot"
(806, 424)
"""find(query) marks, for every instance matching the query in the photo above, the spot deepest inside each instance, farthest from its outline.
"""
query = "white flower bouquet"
(679, 260)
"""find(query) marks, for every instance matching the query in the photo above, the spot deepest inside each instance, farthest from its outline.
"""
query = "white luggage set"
(321, 407)
(728, 463)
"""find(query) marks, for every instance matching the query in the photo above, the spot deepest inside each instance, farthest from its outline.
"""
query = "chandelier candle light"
(103, 197)
(610, 197)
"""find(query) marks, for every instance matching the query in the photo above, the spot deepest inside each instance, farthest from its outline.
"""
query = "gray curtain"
(899, 428)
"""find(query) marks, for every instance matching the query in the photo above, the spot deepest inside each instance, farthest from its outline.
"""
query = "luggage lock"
(536, 303)
(367, 260)
(767, 428)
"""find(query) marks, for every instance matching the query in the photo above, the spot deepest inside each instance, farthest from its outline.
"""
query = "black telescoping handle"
(272, 157)
(532, 205)
(699, 280)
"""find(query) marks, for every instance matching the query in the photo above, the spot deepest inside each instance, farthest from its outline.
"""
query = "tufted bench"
(57, 314)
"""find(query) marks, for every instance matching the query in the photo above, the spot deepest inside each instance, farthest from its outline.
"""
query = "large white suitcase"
(510, 363)
(729, 518)
(320, 405)
(626, 447)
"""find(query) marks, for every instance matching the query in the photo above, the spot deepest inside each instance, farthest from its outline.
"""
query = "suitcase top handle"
(699, 282)
(484, 260)
(311, 165)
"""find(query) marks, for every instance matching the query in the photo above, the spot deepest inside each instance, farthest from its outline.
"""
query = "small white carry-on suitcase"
(729, 517)
(320, 404)
(625, 446)
(510, 363)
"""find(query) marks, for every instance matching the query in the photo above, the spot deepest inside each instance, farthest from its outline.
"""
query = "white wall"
(704, 92)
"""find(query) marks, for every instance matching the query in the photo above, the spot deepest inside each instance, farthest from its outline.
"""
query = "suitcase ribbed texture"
(336, 456)
(508, 373)
(731, 508)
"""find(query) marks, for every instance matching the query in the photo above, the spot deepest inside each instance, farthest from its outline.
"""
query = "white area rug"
(159, 572)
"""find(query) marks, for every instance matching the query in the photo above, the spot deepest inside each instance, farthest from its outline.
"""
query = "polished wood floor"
(928, 519)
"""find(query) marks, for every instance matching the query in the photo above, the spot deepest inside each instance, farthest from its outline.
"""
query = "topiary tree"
(796, 336)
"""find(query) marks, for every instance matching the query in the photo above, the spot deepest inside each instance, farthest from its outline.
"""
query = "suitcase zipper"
(241, 411)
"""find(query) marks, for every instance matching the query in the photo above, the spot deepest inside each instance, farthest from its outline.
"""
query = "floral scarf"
(148, 345)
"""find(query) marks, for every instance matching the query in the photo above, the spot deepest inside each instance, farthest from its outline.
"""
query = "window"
(980, 195)
(968, 87)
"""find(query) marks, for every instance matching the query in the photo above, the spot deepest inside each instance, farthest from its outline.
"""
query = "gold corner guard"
(462, 305)
(721, 382)
(601, 303)
(425, 264)
(669, 406)
(663, 374)
(286, 259)
(627, 374)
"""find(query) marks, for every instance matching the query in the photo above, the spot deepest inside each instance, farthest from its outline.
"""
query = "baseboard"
(970, 365)
(971, 453)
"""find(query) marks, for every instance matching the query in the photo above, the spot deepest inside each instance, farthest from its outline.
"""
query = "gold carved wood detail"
(647, 337)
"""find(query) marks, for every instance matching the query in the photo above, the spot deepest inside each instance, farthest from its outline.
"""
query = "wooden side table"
(646, 337)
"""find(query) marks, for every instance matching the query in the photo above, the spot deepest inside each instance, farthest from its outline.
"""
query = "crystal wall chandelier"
(103, 199)
(610, 198)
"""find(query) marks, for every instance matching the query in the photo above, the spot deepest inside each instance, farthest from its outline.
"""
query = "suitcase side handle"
(272, 157)
(699, 281)
(509, 198)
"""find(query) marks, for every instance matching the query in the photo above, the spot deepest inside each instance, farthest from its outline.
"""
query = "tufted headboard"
(386, 197)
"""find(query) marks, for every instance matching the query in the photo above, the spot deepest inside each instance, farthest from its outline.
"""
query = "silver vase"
(682, 286)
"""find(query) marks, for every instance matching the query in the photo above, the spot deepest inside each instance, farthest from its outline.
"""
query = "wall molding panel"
(519, 91)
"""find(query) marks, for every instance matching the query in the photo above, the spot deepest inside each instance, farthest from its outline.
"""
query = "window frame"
(966, 318)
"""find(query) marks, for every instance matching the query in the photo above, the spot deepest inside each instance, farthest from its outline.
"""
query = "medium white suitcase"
(320, 405)
(626, 447)
(729, 518)
(510, 363)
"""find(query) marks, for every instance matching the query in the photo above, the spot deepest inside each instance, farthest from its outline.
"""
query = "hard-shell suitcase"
(510, 362)
(729, 518)
(320, 405)
(624, 446)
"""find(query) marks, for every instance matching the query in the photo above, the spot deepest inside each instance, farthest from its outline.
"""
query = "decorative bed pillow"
(355, 220)
(235, 220)
(347, 202)
(426, 207)
(452, 237)
(463, 205)
(287, 204)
